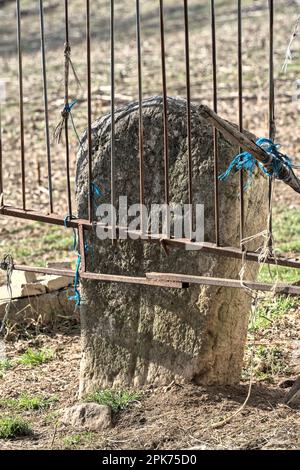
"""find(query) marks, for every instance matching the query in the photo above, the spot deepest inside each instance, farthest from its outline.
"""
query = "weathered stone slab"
(23, 290)
(54, 283)
(89, 416)
(46, 308)
(137, 335)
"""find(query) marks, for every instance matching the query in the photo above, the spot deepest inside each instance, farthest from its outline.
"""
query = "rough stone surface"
(90, 416)
(136, 335)
(54, 283)
(292, 398)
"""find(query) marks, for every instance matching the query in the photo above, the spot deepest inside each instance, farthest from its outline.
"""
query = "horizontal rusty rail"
(103, 277)
(52, 219)
(206, 247)
(168, 280)
(281, 288)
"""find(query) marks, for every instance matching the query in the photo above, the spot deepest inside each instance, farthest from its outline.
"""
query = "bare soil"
(172, 417)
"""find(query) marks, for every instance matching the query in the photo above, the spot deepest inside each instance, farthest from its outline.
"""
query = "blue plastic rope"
(68, 107)
(246, 161)
(96, 191)
(75, 297)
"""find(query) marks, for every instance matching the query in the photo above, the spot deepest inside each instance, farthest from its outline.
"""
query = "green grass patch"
(116, 399)
(28, 402)
(14, 426)
(270, 309)
(52, 417)
(268, 362)
(36, 243)
(5, 364)
(281, 273)
(286, 229)
(35, 357)
(77, 439)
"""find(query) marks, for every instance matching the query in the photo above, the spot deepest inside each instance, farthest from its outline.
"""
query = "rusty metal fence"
(159, 279)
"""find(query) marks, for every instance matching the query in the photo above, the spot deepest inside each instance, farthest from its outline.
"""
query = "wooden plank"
(238, 138)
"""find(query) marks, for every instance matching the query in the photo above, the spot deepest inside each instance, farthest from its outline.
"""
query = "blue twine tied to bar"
(96, 191)
(68, 107)
(246, 161)
(75, 297)
(66, 112)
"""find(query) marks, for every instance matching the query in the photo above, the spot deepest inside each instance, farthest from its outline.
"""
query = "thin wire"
(8, 265)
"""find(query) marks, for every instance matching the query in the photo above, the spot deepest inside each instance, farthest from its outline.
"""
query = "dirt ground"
(172, 417)
(177, 416)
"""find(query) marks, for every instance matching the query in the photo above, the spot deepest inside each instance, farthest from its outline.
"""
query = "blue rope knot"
(246, 161)
(68, 108)
(67, 220)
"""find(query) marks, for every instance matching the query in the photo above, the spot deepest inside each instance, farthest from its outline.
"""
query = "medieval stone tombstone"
(137, 335)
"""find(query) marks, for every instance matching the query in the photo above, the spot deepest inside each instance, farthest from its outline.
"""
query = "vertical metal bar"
(215, 132)
(272, 128)
(47, 132)
(141, 124)
(81, 245)
(240, 86)
(21, 98)
(66, 102)
(189, 123)
(89, 112)
(165, 108)
(112, 113)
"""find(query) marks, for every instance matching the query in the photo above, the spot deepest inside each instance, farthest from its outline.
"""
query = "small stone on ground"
(89, 416)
